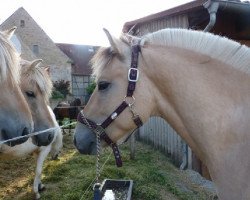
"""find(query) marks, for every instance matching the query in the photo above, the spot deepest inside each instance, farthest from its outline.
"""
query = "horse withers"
(198, 82)
(15, 115)
(36, 85)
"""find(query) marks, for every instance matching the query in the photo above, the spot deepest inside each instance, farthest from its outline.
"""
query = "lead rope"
(85, 194)
(98, 149)
(97, 185)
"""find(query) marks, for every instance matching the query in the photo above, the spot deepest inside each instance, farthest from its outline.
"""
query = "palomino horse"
(37, 86)
(37, 96)
(198, 82)
(15, 116)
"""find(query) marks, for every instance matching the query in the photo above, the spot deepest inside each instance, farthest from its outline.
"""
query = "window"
(35, 49)
(79, 85)
(22, 23)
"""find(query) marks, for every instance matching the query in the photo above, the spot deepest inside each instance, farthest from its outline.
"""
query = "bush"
(62, 86)
(90, 88)
(57, 95)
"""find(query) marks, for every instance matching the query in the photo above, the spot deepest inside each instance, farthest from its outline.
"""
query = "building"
(32, 42)
(80, 56)
(230, 18)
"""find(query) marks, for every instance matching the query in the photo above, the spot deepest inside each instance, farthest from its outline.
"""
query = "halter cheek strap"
(133, 76)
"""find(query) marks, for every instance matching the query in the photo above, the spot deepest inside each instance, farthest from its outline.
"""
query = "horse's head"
(36, 85)
(111, 67)
(15, 115)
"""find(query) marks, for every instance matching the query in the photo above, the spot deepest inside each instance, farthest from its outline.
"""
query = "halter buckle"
(129, 102)
(133, 74)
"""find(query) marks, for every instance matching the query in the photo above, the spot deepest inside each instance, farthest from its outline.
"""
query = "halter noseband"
(133, 75)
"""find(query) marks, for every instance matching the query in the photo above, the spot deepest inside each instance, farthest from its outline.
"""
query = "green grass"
(155, 178)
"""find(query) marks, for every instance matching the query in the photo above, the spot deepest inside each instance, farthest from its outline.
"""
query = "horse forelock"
(100, 60)
(9, 60)
(44, 82)
(38, 75)
(105, 54)
(217, 47)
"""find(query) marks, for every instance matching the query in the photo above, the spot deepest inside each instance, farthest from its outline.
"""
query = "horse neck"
(191, 90)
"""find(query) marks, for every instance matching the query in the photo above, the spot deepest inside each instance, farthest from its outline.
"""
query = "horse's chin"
(93, 149)
(17, 142)
(89, 151)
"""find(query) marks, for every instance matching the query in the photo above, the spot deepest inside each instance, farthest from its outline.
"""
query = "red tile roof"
(80, 56)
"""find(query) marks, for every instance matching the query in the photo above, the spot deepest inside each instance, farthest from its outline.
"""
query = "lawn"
(71, 177)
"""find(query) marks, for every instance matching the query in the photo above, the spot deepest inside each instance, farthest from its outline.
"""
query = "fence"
(161, 136)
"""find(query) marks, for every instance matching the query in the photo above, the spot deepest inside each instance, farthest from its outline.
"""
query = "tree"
(62, 86)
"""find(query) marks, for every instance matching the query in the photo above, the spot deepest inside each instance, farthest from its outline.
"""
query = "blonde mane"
(39, 76)
(217, 47)
(9, 60)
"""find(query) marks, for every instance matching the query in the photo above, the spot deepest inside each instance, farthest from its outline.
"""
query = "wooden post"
(132, 146)
(190, 165)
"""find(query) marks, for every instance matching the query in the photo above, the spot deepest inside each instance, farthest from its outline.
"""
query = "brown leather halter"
(133, 75)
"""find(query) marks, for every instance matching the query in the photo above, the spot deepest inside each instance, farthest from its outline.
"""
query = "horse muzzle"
(6, 136)
(43, 139)
(85, 140)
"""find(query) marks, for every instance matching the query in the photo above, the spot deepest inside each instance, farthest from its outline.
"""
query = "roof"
(232, 6)
(191, 6)
(80, 56)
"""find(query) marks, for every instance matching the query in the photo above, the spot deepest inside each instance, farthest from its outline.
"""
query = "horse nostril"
(50, 137)
(4, 134)
(74, 141)
(25, 131)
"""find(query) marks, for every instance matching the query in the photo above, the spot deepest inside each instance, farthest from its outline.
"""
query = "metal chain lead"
(98, 151)
(85, 120)
(98, 147)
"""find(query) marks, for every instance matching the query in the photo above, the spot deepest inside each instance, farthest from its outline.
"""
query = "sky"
(82, 21)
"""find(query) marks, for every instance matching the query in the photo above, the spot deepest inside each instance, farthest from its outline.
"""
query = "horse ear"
(111, 41)
(35, 63)
(47, 69)
(9, 33)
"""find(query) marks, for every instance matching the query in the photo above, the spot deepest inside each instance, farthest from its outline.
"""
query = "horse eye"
(30, 94)
(103, 85)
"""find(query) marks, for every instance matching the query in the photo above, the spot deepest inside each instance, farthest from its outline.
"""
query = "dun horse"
(36, 85)
(15, 116)
(198, 82)
(68, 110)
